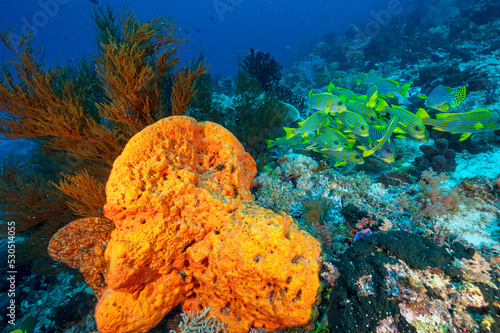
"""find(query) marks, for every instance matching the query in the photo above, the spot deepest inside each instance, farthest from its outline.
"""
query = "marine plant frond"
(106, 26)
(34, 106)
(184, 88)
(133, 71)
(25, 196)
(86, 191)
(82, 73)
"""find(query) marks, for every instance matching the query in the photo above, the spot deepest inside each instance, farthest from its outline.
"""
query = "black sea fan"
(263, 68)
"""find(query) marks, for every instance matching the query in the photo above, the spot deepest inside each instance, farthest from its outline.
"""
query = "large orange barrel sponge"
(187, 231)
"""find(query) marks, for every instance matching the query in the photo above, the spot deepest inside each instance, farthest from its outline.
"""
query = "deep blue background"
(223, 29)
(287, 29)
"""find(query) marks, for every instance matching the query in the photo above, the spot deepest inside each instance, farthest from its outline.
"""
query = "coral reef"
(438, 157)
(194, 322)
(188, 232)
(411, 282)
(296, 167)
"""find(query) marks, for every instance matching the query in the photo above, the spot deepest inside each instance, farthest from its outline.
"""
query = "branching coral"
(263, 68)
(443, 198)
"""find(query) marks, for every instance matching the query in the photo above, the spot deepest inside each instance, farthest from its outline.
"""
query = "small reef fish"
(476, 121)
(334, 131)
(326, 101)
(283, 142)
(384, 87)
(311, 124)
(354, 123)
(344, 93)
(409, 122)
(361, 109)
(371, 78)
(325, 141)
(95, 2)
(444, 98)
(343, 157)
(381, 140)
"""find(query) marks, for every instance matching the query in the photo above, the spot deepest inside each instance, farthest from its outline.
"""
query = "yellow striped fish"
(326, 102)
(327, 138)
(311, 124)
(409, 122)
(354, 123)
(476, 121)
(364, 111)
(381, 140)
(343, 157)
(283, 142)
(386, 87)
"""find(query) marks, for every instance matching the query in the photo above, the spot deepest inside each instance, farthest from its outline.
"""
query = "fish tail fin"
(270, 143)
(310, 93)
(382, 106)
(405, 89)
(331, 87)
(458, 97)
(422, 114)
(373, 100)
(289, 132)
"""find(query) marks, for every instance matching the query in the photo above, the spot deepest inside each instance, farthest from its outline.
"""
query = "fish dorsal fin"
(396, 83)
(444, 115)
(449, 89)
(331, 87)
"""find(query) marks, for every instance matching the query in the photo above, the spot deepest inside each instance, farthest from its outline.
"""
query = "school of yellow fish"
(348, 128)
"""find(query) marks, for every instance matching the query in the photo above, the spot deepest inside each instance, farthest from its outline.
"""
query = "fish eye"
(340, 103)
(336, 142)
(363, 127)
(417, 128)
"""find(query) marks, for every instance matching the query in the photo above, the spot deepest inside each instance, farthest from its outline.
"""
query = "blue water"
(222, 29)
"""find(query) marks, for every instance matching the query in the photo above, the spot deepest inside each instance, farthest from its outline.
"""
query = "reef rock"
(402, 282)
(187, 231)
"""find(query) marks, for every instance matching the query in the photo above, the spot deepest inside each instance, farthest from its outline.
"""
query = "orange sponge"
(187, 231)
(81, 245)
